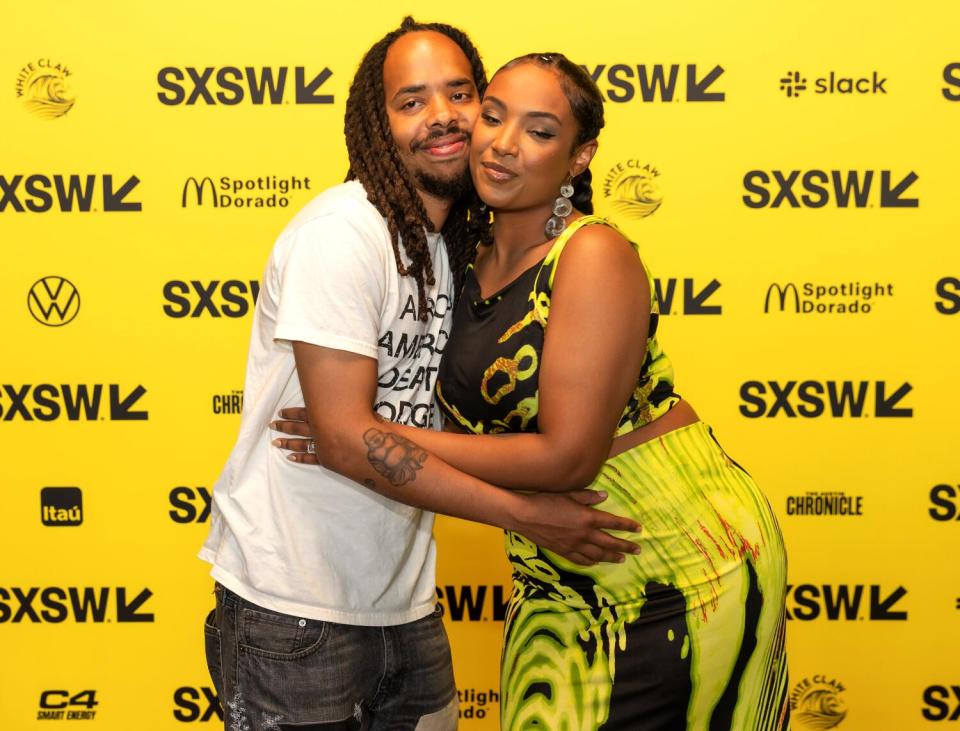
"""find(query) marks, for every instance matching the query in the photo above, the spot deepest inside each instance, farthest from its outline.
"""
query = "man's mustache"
(453, 129)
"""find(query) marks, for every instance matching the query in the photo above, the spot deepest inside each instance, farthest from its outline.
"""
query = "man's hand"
(293, 421)
(565, 524)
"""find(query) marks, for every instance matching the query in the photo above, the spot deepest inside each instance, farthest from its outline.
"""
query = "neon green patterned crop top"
(488, 381)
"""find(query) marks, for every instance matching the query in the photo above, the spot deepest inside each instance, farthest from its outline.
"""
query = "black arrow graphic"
(306, 93)
(885, 406)
(881, 609)
(120, 410)
(890, 197)
(114, 201)
(697, 90)
(127, 612)
(693, 304)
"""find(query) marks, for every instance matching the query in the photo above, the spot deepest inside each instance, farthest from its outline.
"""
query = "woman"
(554, 342)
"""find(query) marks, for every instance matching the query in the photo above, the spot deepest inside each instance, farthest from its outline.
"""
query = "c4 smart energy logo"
(622, 82)
(834, 188)
(633, 189)
(232, 298)
(43, 87)
(197, 704)
(53, 301)
(819, 298)
(61, 506)
(811, 399)
(816, 703)
(66, 193)
(941, 703)
(231, 85)
(795, 84)
(268, 191)
(65, 705)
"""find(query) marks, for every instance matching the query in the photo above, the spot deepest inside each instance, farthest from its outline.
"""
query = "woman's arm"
(338, 388)
(592, 356)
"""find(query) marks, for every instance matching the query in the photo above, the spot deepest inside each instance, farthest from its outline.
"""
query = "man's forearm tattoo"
(393, 456)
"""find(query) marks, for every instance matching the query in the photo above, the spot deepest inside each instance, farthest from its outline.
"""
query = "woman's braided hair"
(376, 164)
(585, 100)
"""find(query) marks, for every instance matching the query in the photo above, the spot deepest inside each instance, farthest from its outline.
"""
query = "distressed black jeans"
(276, 672)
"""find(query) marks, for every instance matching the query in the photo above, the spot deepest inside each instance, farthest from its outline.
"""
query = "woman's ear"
(582, 157)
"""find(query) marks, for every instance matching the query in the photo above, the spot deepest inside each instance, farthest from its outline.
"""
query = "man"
(325, 612)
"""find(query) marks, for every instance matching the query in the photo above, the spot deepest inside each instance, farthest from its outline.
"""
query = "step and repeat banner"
(791, 173)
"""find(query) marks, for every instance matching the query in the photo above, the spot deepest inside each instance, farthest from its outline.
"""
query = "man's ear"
(582, 157)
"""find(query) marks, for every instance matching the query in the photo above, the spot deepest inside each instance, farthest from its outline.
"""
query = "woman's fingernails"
(602, 495)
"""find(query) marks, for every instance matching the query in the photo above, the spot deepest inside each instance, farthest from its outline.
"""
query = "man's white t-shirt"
(300, 539)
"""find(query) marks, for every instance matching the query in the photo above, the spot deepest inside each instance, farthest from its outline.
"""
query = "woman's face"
(522, 148)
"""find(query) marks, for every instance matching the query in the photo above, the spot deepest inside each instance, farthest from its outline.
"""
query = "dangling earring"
(562, 207)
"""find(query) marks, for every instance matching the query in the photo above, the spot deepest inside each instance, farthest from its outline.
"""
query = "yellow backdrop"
(749, 149)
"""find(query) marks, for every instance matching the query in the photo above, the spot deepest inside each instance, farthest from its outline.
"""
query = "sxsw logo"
(817, 188)
(232, 298)
(66, 193)
(196, 704)
(63, 705)
(61, 506)
(844, 602)
(230, 85)
(946, 503)
(951, 75)
(622, 82)
(948, 289)
(694, 300)
(81, 604)
(83, 402)
(480, 603)
(53, 301)
(941, 703)
(811, 399)
(190, 505)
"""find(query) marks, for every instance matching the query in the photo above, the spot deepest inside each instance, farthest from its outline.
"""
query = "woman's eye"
(542, 135)
(489, 118)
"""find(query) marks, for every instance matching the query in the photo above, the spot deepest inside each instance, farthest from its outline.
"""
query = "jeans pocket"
(279, 636)
(212, 646)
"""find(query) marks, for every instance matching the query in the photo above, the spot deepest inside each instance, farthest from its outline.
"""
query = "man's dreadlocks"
(376, 164)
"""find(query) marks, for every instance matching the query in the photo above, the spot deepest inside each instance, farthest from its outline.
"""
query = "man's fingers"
(609, 521)
(303, 458)
(588, 497)
(292, 445)
(579, 558)
(294, 413)
(611, 543)
(296, 428)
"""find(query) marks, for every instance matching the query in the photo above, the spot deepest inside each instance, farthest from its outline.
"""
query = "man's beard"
(447, 188)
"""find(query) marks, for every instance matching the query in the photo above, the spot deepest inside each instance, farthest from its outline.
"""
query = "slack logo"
(818, 188)
(621, 82)
(66, 193)
(61, 506)
(230, 85)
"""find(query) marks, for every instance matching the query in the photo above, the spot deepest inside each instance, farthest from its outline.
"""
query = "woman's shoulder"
(596, 249)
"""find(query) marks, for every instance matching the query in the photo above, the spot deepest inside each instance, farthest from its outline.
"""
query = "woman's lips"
(497, 173)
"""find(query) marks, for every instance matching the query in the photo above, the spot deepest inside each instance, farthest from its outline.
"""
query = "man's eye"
(462, 96)
(410, 104)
